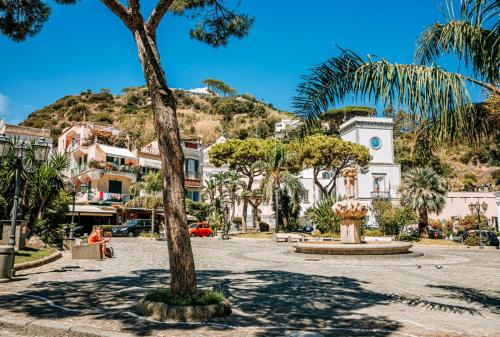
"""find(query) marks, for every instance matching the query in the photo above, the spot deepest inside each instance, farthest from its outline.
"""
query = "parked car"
(489, 238)
(435, 234)
(132, 228)
(307, 229)
(200, 229)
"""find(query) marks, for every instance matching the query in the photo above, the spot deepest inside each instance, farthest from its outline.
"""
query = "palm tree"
(234, 184)
(423, 191)
(279, 170)
(148, 194)
(45, 183)
(424, 87)
(210, 191)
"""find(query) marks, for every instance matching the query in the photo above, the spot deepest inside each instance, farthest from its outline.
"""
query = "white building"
(381, 181)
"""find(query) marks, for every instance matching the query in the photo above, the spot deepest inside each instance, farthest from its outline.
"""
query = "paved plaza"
(273, 291)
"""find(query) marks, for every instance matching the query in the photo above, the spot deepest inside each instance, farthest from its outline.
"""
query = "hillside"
(208, 117)
(200, 116)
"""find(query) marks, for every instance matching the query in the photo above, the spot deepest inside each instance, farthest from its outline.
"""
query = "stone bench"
(86, 252)
(284, 237)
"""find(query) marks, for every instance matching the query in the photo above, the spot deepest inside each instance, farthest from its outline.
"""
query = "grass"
(150, 235)
(437, 242)
(30, 254)
(258, 235)
(204, 297)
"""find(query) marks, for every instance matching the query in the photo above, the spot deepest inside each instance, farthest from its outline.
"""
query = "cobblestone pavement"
(273, 291)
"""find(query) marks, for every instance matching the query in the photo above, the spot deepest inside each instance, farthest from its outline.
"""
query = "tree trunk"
(322, 189)
(153, 220)
(245, 206)
(182, 269)
(277, 209)
(423, 222)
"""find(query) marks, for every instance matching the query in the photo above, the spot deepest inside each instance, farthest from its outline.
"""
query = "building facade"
(103, 168)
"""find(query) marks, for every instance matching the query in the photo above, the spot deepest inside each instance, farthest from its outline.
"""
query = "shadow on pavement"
(276, 301)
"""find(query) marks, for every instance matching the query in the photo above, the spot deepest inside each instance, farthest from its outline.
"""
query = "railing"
(380, 195)
(79, 169)
(108, 197)
(108, 166)
(192, 175)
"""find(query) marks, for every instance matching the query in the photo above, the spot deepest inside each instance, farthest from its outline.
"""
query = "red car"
(200, 229)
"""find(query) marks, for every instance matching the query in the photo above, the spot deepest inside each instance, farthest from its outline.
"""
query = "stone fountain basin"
(337, 248)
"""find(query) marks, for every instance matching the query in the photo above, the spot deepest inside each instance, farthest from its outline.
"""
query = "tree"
(234, 185)
(217, 86)
(245, 157)
(279, 169)
(331, 154)
(215, 25)
(391, 219)
(324, 217)
(440, 95)
(423, 192)
(148, 194)
(45, 183)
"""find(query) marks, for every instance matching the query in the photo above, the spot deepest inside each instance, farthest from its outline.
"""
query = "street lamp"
(41, 150)
(476, 208)
(73, 192)
(5, 146)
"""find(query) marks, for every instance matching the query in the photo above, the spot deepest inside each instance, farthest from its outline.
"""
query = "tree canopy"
(331, 154)
(219, 87)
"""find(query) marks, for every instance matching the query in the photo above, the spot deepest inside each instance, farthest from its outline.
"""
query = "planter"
(164, 312)
(6, 260)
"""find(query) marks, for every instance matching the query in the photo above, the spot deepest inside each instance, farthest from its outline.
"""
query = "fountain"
(351, 212)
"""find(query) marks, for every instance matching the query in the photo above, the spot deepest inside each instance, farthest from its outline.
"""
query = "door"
(115, 186)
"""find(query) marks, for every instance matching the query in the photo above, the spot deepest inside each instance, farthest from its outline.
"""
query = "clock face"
(375, 143)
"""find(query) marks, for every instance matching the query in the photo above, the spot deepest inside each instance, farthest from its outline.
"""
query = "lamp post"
(476, 208)
(73, 192)
(40, 152)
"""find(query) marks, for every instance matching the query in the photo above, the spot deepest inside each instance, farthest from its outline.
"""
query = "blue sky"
(85, 47)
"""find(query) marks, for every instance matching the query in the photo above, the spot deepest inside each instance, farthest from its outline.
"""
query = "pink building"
(457, 205)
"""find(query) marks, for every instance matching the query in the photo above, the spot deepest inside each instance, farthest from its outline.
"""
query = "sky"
(86, 47)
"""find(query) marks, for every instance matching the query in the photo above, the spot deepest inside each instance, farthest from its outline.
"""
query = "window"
(191, 167)
(378, 182)
(193, 195)
(327, 175)
(305, 196)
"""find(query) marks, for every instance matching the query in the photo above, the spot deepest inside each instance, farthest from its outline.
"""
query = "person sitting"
(96, 238)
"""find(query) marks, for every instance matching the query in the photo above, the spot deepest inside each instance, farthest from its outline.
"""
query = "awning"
(117, 151)
(89, 210)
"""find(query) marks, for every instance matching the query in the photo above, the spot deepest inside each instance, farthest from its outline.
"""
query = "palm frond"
(479, 48)
(428, 90)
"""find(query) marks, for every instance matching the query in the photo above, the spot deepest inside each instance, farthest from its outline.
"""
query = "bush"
(496, 176)
(203, 297)
(100, 97)
(472, 241)
(372, 232)
(263, 227)
(407, 237)
(103, 117)
(228, 107)
(76, 112)
(470, 222)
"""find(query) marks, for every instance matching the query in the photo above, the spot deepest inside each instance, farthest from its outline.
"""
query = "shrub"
(103, 117)
(100, 97)
(76, 112)
(470, 222)
(237, 221)
(372, 232)
(407, 237)
(228, 107)
(496, 176)
(472, 241)
(263, 227)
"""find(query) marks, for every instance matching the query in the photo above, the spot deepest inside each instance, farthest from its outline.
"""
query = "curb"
(456, 247)
(47, 328)
(38, 263)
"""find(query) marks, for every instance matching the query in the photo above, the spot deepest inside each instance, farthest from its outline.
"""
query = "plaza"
(273, 291)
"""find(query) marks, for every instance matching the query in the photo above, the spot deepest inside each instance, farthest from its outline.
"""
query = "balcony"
(192, 178)
(105, 197)
(380, 195)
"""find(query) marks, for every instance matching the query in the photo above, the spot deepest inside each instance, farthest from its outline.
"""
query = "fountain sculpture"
(351, 211)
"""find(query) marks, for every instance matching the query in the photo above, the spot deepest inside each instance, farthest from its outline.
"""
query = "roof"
(366, 122)
(117, 151)
(91, 210)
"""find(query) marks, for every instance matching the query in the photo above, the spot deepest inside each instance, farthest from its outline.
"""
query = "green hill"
(200, 116)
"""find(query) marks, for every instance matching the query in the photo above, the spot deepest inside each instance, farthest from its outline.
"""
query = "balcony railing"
(108, 166)
(380, 195)
(79, 169)
(108, 197)
(192, 175)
